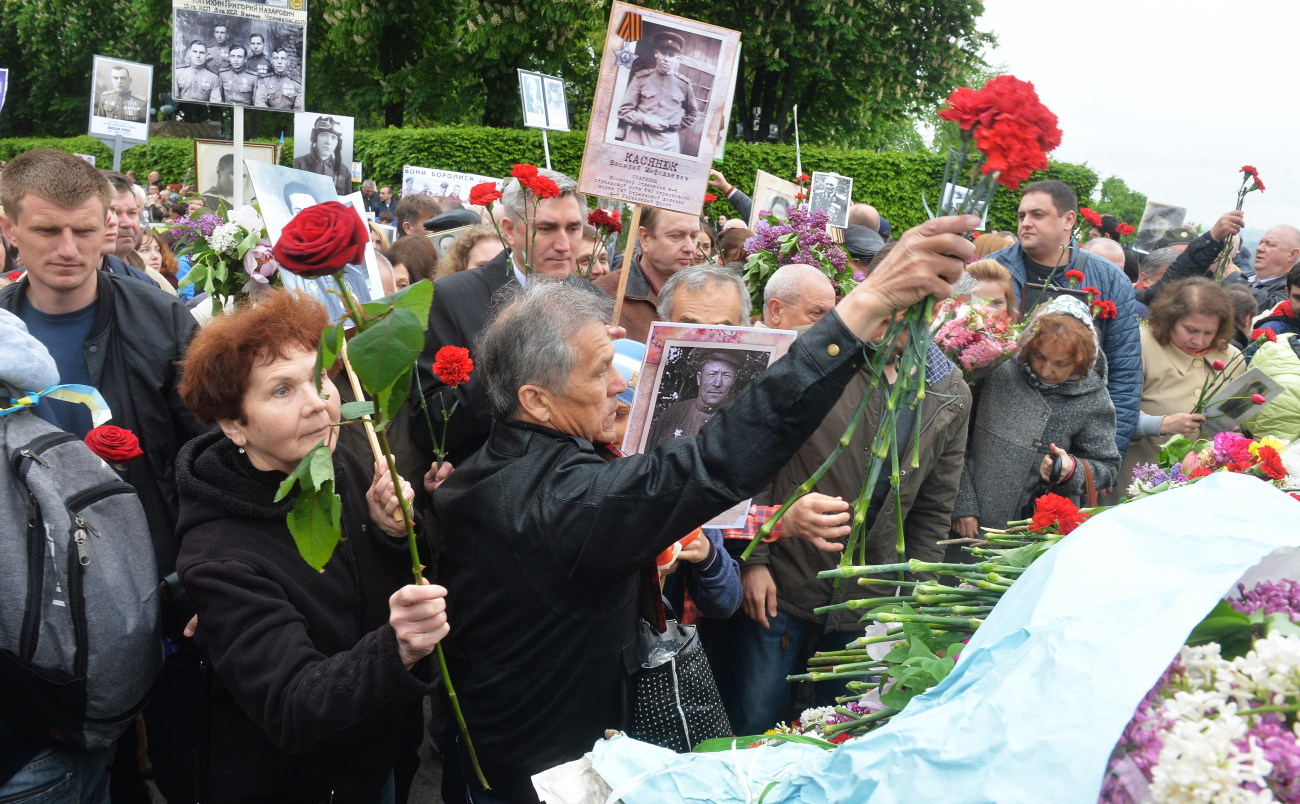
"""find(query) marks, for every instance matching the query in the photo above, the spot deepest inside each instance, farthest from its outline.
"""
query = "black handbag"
(675, 701)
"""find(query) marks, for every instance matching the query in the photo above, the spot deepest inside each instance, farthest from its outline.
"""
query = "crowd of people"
(539, 534)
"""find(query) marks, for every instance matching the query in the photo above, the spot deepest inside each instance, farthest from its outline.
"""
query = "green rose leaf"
(314, 470)
(391, 398)
(386, 350)
(315, 523)
(1227, 626)
(355, 410)
(331, 341)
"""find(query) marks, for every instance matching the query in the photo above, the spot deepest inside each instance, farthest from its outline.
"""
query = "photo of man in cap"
(716, 373)
(326, 154)
(120, 103)
(658, 102)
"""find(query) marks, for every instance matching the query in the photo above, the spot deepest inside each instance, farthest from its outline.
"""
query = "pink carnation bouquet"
(974, 337)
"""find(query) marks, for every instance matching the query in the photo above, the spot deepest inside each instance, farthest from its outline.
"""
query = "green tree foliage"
(1115, 198)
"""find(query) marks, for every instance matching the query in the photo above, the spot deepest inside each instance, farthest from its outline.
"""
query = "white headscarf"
(1062, 305)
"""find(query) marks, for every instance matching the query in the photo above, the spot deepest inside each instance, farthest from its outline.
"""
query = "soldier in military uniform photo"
(120, 103)
(194, 81)
(219, 51)
(258, 63)
(658, 102)
(223, 187)
(237, 83)
(326, 154)
(278, 90)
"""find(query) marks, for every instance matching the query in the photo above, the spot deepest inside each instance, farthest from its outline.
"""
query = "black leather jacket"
(135, 343)
(545, 540)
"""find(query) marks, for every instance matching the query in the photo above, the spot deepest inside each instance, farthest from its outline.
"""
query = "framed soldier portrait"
(240, 53)
(119, 99)
(322, 143)
(658, 117)
(689, 373)
(832, 193)
(214, 168)
(772, 195)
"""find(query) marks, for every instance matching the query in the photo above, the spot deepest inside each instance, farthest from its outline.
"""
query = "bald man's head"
(796, 295)
(864, 215)
(1106, 249)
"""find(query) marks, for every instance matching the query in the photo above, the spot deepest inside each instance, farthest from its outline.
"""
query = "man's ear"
(774, 312)
(534, 404)
(508, 231)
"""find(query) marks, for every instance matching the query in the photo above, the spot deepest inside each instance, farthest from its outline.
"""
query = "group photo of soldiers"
(237, 61)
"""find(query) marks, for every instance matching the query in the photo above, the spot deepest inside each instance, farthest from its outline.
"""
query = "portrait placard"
(774, 195)
(442, 240)
(543, 101)
(428, 181)
(1233, 404)
(4, 86)
(214, 167)
(283, 192)
(832, 193)
(89, 159)
(237, 53)
(660, 109)
(954, 195)
(1157, 219)
(119, 99)
(691, 371)
(322, 143)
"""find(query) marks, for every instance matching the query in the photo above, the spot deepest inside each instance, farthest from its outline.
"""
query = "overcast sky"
(1172, 98)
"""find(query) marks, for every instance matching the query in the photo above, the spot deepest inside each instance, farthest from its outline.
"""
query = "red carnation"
(1091, 216)
(480, 195)
(452, 365)
(114, 445)
(541, 186)
(1104, 309)
(1055, 511)
(604, 219)
(1091, 291)
(803, 178)
(322, 239)
(523, 171)
(709, 198)
(801, 196)
(1125, 229)
(1073, 276)
(1266, 334)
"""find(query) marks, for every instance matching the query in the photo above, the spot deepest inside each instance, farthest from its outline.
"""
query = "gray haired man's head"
(1155, 264)
(515, 198)
(705, 294)
(530, 341)
(796, 295)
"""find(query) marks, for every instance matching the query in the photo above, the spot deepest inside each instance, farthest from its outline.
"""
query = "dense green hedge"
(893, 182)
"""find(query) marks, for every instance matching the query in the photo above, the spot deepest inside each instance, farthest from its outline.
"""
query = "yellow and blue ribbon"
(76, 394)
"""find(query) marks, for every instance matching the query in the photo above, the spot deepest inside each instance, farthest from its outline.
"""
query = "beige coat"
(1171, 383)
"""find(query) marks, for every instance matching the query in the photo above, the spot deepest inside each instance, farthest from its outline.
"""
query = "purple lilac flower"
(1281, 749)
(1140, 743)
(185, 231)
(1270, 598)
(207, 223)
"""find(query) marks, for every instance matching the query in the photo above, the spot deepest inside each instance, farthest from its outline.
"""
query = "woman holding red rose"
(314, 671)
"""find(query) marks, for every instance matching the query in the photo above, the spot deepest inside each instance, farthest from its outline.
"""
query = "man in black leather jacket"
(545, 539)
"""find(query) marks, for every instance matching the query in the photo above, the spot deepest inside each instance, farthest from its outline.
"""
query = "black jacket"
(137, 339)
(543, 541)
(1196, 260)
(310, 689)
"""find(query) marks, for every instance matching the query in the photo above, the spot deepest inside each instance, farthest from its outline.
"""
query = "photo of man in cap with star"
(659, 102)
(719, 373)
(324, 144)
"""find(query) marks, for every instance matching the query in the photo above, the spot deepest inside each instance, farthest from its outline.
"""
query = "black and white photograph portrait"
(954, 195)
(323, 144)
(248, 59)
(669, 87)
(1157, 219)
(1234, 403)
(832, 193)
(557, 108)
(119, 99)
(214, 169)
(442, 240)
(530, 94)
(774, 195)
(695, 382)
(443, 183)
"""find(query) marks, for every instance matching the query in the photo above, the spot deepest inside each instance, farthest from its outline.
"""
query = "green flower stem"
(915, 566)
(835, 728)
(832, 676)
(926, 619)
(1259, 710)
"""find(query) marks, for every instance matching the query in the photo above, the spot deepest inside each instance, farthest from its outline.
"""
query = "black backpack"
(80, 647)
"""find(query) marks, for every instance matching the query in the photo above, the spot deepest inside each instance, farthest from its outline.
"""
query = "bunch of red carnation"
(480, 195)
(1011, 127)
(1250, 170)
(608, 221)
(537, 184)
(1052, 511)
(1092, 216)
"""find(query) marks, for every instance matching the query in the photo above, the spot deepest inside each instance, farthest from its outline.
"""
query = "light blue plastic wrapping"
(1044, 689)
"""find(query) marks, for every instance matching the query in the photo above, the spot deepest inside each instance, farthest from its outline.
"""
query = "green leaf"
(331, 340)
(1227, 626)
(391, 398)
(386, 349)
(1024, 556)
(355, 410)
(314, 470)
(250, 240)
(417, 298)
(1280, 623)
(1176, 448)
(315, 523)
(728, 743)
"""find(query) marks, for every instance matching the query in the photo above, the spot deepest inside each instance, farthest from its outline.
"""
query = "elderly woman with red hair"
(314, 671)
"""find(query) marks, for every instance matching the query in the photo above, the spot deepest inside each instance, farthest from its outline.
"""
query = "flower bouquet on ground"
(1183, 460)
(799, 238)
(230, 254)
(974, 338)
(1221, 723)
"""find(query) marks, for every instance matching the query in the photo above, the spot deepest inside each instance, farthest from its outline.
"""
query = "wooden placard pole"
(633, 227)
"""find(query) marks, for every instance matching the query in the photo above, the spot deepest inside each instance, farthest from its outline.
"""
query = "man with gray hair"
(546, 540)
(368, 194)
(705, 294)
(796, 295)
(543, 241)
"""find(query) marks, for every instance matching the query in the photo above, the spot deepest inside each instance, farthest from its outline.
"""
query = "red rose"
(1091, 216)
(321, 239)
(1125, 229)
(113, 444)
(541, 186)
(452, 365)
(709, 198)
(523, 171)
(480, 195)
(1073, 275)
